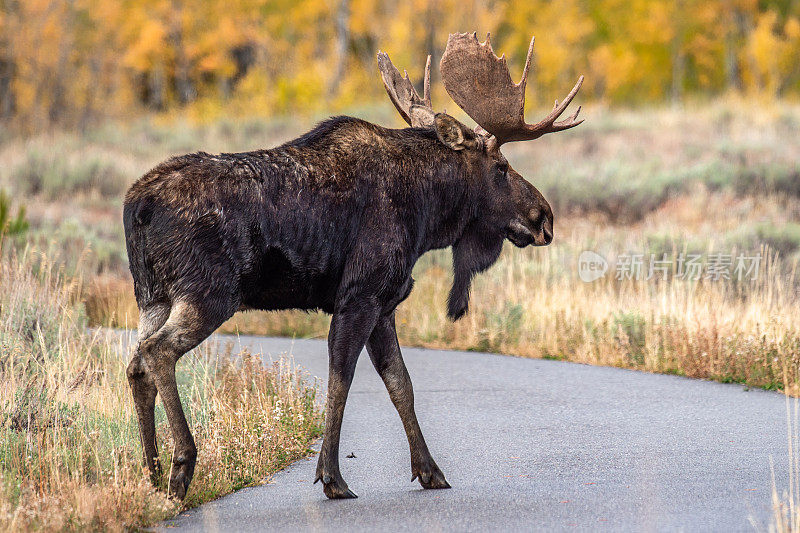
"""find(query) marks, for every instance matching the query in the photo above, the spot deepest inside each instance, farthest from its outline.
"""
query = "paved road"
(529, 445)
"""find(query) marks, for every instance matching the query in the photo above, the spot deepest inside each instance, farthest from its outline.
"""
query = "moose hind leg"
(144, 390)
(384, 351)
(187, 326)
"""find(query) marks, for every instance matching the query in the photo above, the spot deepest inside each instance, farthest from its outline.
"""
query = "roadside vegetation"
(667, 182)
(670, 182)
(786, 499)
(70, 454)
(11, 225)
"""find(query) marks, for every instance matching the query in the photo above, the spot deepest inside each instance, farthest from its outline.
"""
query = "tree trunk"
(431, 23)
(7, 64)
(60, 111)
(735, 31)
(184, 88)
(155, 80)
(342, 41)
(678, 55)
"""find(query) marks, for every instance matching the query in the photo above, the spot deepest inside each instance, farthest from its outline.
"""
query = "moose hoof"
(430, 477)
(335, 492)
(178, 485)
(335, 488)
(182, 472)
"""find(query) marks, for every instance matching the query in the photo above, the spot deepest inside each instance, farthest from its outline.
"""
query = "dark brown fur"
(334, 220)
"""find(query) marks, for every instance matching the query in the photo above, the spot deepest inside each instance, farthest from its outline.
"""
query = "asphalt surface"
(528, 445)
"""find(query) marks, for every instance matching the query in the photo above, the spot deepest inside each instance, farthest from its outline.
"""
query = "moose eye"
(502, 170)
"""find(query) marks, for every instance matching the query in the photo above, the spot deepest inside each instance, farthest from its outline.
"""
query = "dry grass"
(711, 330)
(533, 304)
(69, 445)
(786, 502)
(703, 178)
(722, 178)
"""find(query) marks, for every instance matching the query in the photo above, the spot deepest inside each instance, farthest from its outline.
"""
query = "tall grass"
(69, 444)
(720, 177)
(533, 304)
(786, 501)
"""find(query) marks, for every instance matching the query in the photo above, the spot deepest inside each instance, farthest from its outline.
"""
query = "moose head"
(511, 208)
(479, 82)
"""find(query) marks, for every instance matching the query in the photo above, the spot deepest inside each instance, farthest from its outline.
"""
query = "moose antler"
(404, 96)
(479, 82)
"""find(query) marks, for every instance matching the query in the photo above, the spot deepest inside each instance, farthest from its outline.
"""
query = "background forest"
(73, 62)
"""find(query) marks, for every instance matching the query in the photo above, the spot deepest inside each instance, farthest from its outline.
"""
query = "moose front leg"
(348, 333)
(384, 351)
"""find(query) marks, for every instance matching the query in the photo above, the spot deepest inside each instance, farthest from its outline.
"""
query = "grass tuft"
(70, 457)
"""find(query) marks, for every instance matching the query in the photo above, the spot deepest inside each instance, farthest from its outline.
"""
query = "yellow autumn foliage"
(70, 62)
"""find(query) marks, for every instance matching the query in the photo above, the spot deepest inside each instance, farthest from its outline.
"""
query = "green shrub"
(775, 179)
(782, 239)
(630, 327)
(62, 172)
(11, 225)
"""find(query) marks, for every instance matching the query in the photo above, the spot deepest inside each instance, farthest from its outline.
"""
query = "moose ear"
(453, 133)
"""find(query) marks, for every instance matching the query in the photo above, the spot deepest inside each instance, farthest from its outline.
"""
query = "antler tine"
(416, 111)
(426, 83)
(543, 126)
(523, 83)
(479, 82)
(568, 123)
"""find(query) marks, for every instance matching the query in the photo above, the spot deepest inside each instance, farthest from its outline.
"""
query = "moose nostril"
(548, 235)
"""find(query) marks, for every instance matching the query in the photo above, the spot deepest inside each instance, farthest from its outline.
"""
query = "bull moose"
(334, 220)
